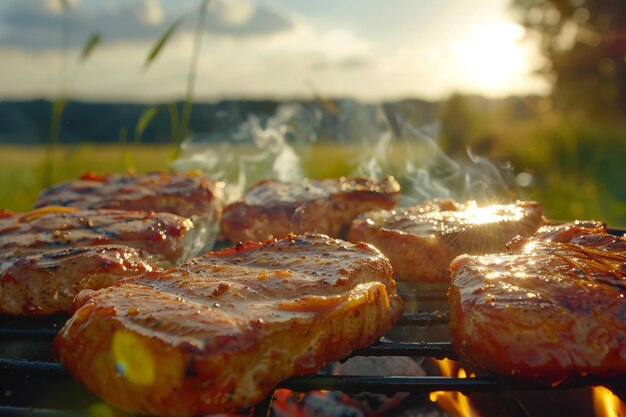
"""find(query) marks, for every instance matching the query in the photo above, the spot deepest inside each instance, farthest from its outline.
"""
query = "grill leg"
(264, 408)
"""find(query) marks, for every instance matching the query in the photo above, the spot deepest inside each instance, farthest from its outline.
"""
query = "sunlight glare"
(492, 57)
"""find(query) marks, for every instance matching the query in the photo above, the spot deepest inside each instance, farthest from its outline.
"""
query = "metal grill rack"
(26, 366)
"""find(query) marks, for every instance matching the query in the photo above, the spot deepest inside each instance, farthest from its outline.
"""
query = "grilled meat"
(219, 332)
(160, 234)
(421, 241)
(49, 254)
(552, 307)
(276, 208)
(46, 283)
(186, 195)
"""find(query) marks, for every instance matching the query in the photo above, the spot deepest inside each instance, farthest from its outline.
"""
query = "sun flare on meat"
(550, 308)
(422, 240)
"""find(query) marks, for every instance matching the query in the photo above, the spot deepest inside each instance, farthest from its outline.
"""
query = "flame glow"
(454, 403)
(607, 404)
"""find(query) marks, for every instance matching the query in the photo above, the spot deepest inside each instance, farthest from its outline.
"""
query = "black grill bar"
(348, 383)
(425, 318)
(33, 369)
(436, 350)
(352, 384)
(36, 412)
(28, 334)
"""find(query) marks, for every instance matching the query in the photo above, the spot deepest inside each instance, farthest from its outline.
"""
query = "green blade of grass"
(174, 122)
(160, 43)
(93, 41)
(144, 120)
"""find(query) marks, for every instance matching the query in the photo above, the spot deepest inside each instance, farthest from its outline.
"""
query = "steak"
(186, 195)
(49, 254)
(328, 206)
(552, 307)
(219, 332)
(421, 241)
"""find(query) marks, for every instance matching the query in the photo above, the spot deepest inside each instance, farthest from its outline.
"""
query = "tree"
(584, 43)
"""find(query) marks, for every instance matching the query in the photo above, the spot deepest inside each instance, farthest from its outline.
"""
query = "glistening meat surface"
(187, 195)
(325, 206)
(219, 332)
(421, 241)
(552, 307)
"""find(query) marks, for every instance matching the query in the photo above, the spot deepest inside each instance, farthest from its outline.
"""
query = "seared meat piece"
(49, 254)
(276, 208)
(46, 283)
(421, 241)
(162, 235)
(552, 307)
(186, 195)
(220, 331)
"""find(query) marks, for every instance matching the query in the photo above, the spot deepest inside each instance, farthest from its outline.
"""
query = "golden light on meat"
(607, 404)
(454, 403)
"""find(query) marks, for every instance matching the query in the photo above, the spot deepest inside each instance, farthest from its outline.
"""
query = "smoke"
(379, 140)
(253, 150)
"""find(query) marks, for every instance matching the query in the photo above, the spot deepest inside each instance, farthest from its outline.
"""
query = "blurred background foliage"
(571, 143)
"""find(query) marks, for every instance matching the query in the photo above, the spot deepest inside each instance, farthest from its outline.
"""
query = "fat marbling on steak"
(276, 208)
(552, 307)
(422, 240)
(219, 332)
(49, 254)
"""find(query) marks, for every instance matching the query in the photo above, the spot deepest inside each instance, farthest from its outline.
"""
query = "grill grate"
(37, 364)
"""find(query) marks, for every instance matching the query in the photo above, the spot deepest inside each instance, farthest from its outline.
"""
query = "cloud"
(241, 18)
(37, 24)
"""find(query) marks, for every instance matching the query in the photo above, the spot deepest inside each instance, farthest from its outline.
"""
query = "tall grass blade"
(144, 120)
(174, 121)
(127, 156)
(160, 43)
(58, 106)
(93, 41)
(191, 75)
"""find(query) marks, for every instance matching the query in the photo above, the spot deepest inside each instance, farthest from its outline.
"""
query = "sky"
(370, 50)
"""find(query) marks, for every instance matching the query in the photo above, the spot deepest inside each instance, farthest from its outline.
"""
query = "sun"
(493, 59)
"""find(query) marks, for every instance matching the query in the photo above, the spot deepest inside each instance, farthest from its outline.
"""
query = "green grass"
(22, 168)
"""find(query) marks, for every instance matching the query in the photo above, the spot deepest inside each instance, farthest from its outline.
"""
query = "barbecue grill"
(28, 372)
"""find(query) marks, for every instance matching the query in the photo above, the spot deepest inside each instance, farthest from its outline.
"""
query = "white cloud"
(55, 6)
(37, 24)
(233, 12)
(150, 12)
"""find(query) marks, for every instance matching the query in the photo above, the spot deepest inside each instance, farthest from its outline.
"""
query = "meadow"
(577, 171)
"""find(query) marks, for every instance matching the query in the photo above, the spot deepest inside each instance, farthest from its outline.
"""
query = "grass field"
(577, 176)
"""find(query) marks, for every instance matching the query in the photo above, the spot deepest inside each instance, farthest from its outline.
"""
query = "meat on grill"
(219, 332)
(49, 254)
(187, 195)
(552, 307)
(276, 208)
(421, 241)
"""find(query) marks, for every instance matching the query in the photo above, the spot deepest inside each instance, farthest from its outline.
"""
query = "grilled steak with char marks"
(421, 241)
(328, 206)
(49, 254)
(552, 307)
(187, 195)
(219, 332)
